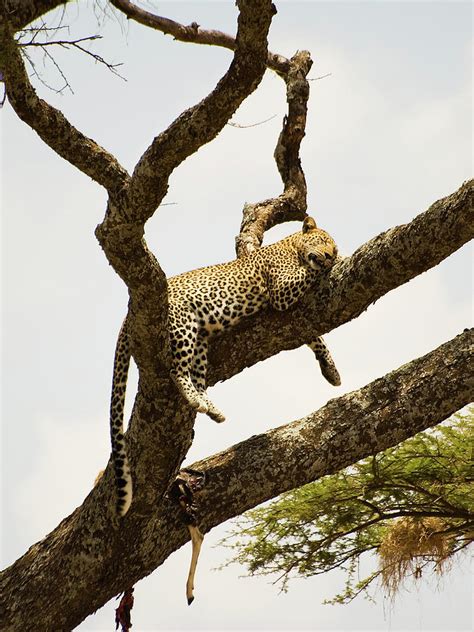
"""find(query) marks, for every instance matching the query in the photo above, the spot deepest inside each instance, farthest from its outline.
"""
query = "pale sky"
(389, 132)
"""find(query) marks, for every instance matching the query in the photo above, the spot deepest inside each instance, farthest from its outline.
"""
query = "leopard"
(204, 302)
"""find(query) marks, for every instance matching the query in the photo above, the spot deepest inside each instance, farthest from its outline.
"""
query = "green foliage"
(425, 482)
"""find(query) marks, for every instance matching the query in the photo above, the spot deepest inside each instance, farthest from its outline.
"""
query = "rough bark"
(90, 557)
(84, 562)
(353, 284)
(50, 124)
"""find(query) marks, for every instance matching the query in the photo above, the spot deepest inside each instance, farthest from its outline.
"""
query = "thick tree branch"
(201, 123)
(121, 233)
(291, 204)
(83, 562)
(352, 427)
(192, 33)
(380, 265)
(51, 124)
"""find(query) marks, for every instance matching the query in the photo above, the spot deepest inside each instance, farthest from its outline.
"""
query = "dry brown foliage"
(408, 545)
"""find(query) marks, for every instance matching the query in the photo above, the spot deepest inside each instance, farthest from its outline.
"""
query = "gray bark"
(89, 557)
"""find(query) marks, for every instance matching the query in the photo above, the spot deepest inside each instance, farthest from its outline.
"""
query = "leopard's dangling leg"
(183, 351)
(326, 363)
(199, 370)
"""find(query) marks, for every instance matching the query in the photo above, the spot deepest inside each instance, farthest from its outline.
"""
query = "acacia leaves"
(412, 505)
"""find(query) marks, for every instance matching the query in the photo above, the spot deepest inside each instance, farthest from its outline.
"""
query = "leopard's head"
(317, 249)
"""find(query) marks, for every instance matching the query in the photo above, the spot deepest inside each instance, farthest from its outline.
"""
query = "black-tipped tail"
(123, 479)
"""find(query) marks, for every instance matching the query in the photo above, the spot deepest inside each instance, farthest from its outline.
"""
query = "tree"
(411, 505)
(118, 558)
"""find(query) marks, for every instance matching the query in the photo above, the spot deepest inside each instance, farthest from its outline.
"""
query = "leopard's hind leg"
(183, 349)
(199, 371)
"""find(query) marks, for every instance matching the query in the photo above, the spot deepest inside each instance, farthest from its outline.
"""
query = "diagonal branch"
(291, 204)
(192, 33)
(378, 266)
(51, 124)
(201, 123)
(49, 577)
(416, 396)
(121, 233)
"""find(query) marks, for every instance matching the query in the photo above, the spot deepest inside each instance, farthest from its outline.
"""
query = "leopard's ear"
(308, 224)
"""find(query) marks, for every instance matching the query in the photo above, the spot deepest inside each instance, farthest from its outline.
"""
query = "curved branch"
(291, 204)
(201, 123)
(51, 124)
(192, 33)
(121, 233)
(84, 551)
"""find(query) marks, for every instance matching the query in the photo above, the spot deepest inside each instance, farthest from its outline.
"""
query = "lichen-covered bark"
(408, 400)
(201, 123)
(84, 561)
(378, 266)
(121, 232)
(89, 557)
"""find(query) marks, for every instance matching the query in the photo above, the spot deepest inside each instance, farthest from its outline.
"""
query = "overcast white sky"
(389, 132)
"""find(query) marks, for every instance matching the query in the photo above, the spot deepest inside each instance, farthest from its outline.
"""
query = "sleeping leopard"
(206, 301)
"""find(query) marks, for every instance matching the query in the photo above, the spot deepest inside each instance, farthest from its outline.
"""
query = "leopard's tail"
(123, 479)
(326, 363)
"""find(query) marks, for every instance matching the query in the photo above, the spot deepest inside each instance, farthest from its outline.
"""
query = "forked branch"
(201, 123)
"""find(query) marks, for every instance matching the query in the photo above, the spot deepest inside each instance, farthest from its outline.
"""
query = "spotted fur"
(206, 301)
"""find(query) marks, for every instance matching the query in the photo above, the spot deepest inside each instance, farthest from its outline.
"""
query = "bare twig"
(89, 38)
(328, 74)
(252, 124)
(38, 75)
(74, 44)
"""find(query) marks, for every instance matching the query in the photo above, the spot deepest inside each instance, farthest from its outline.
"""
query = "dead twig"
(75, 43)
